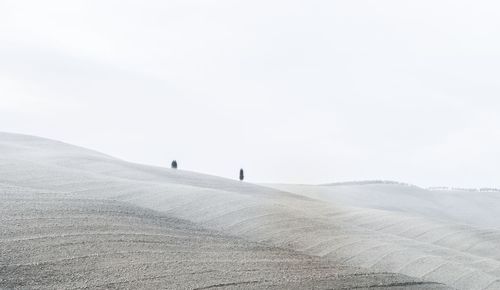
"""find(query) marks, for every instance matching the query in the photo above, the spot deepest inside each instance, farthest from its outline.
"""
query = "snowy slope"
(60, 201)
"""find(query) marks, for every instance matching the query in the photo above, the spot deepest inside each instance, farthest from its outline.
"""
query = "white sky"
(292, 91)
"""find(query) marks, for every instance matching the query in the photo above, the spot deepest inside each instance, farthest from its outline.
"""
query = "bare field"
(54, 242)
(74, 218)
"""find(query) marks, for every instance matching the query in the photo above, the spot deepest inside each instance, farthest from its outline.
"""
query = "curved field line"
(142, 279)
(342, 246)
(368, 249)
(492, 282)
(255, 217)
(399, 285)
(462, 252)
(107, 254)
(415, 260)
(482, 242)
(448, 235)
(464, 275)
(243, 232)
(435, 269)
(384, 256)
(329, 240)
(91, 234)
(229, 212)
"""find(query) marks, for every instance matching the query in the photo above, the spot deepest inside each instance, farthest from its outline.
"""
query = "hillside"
(475, 208)
(75, 218)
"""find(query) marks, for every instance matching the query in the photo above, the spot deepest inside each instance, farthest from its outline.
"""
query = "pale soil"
(74, 218)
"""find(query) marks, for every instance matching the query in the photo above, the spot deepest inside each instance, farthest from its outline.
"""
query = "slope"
(83, 205)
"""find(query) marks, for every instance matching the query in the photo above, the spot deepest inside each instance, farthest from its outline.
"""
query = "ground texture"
(74, 218)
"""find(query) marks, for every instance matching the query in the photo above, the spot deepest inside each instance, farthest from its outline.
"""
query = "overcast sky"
(292, 91)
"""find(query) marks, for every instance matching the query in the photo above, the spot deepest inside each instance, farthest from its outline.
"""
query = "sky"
(314, 91)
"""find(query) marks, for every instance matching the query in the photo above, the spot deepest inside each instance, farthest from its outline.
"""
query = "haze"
(292, 91)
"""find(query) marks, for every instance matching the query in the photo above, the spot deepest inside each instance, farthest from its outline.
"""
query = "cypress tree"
(242, 175)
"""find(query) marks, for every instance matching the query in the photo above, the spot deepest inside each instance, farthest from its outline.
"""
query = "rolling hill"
(76, 218)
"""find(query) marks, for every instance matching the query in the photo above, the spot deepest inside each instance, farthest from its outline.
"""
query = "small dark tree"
(242, 175)
(174, 164)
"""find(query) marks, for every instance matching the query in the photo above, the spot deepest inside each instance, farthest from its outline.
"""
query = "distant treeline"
(482, 189)
(369, 182)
